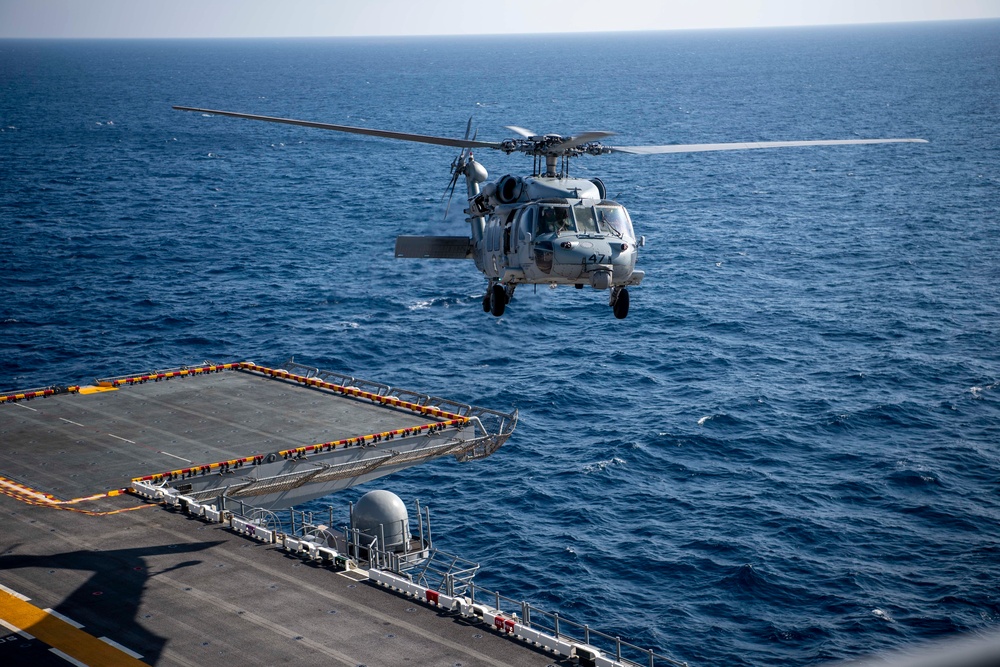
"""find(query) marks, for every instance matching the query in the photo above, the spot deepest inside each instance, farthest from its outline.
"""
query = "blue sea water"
(787, 454)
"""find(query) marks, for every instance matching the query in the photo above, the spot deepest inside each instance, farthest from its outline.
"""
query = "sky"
(315, 18)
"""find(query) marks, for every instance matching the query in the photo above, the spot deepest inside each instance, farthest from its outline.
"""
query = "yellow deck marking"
(61, 635)
(96, 390)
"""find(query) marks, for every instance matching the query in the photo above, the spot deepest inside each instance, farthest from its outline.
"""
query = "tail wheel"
(620, 306)
(498, 299)
(486, 301)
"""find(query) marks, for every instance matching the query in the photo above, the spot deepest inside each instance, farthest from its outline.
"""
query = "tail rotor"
(458, 167)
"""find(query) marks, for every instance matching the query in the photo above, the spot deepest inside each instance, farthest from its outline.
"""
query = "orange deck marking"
(30, 496)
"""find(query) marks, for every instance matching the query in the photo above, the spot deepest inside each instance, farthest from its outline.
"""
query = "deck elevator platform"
(277, 436)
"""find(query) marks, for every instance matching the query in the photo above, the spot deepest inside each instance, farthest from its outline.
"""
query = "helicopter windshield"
(614, 220)
(554, 219)
(585, 220)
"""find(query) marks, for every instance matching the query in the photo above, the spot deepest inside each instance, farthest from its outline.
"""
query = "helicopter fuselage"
(539, 230)
(557, 231)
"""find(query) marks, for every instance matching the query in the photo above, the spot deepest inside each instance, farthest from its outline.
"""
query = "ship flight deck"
(91, 575)
(139, 524)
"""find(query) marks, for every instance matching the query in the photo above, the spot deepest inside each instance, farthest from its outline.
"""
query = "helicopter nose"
(577, 259)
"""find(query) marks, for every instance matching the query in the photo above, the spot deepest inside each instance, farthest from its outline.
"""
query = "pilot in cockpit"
(547, 220)
(554, 219)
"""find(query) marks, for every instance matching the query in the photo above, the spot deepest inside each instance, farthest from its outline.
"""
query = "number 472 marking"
(597, 259)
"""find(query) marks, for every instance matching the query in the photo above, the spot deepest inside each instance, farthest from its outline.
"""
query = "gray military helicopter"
(547, 228)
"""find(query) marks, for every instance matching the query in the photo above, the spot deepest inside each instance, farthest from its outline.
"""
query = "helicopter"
(547, 228)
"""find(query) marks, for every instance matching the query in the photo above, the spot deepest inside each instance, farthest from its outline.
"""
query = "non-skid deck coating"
(177, 591)
(76, 445)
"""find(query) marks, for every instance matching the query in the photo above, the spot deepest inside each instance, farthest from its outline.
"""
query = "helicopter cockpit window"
(554, 219)
(614, 220)
(586, 223)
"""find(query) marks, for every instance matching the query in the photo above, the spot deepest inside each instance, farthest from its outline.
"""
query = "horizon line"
(508, 34)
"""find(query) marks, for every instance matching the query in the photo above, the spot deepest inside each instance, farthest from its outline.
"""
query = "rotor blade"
(527, 134)
(420, 138)
(697, 148)
(578, 140)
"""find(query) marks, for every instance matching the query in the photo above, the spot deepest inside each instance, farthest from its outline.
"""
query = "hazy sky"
(292, 18)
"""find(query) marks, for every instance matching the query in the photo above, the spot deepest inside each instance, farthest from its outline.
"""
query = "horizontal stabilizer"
(437, 247)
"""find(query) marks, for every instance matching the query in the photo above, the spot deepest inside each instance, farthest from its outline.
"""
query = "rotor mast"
(550, 164)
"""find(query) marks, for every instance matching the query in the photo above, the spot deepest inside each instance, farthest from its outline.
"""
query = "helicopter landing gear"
(498, 299)
(619, 302)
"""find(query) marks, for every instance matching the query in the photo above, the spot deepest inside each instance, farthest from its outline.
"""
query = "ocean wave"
(601, 466)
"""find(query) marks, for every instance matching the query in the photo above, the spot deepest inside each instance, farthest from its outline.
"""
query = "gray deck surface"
(72, 446)
(182, 592)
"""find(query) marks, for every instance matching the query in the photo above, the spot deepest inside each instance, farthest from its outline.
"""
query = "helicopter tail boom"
(434, 247)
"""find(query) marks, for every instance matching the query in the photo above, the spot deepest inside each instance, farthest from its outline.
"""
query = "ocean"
(786, 454)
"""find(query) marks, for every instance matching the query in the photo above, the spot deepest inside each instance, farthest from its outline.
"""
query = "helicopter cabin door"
(493, 240)
(523, 231)
(501, 242)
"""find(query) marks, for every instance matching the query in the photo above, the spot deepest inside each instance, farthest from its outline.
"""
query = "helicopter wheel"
(498, 299)
(486, 301)
(620, 306)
